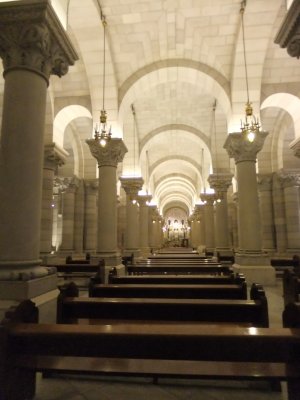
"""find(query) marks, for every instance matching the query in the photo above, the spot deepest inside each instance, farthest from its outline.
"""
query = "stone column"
(153, 221)
(132, 185)
(208, 199)
(108, 158)
(79, 219)
(199, 228)
(53, 157)
(144, 224)
(266, 212)
(233, 207)
(249, 259)
(279, 214)
(68, 216)
(220, 183)
(291, 189)
(90, 216)
(33, 45)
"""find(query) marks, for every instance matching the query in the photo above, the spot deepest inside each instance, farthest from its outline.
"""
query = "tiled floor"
(143, 389)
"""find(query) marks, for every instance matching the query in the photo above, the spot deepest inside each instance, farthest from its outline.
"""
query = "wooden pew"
(79, 272)
(291, 287)
(174, 269)
(155, 350)
(291, 315)
(178, 279)
(74, 309)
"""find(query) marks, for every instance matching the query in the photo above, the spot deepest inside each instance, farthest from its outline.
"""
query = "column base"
(136, 252)
(23, 290)
(111, 259)
(145, 252)
(256, 267)
(19, 272)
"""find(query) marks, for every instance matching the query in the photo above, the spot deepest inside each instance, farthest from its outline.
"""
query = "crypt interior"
(175, 88)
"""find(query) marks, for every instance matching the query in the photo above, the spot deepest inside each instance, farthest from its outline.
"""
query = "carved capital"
(208, 198)
(239, 148)
(220, 182)
(289, 178)
(91, 185)
(289, 33)
(31, 37)
(264, 182)
(111, 154)
(69, 184)
(54, 156)
(131, 185)
(144, 199)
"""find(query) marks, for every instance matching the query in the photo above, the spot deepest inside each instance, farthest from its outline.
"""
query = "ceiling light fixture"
(102, 134)
(250, 127)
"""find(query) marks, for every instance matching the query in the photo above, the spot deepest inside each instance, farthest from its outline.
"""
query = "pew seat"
(152, 350)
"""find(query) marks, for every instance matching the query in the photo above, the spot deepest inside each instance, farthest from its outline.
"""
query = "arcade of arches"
(178, 170)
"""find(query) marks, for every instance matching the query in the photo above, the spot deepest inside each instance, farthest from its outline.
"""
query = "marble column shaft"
(220, 183)
(53, 157)
(244, 154)
(144, 223)
(90, 215)
(79, 218)
(266, 211)
(68, 216)
(132, 185)
(31, 50)
(108, 158)
(209, 220)
(291, 189)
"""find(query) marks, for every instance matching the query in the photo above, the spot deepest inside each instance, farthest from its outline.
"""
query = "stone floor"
(100, 388)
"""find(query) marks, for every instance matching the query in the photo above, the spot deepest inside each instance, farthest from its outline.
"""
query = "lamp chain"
(242, 10)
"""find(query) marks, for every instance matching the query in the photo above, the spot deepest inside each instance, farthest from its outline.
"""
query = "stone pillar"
(90, 216)
(53, 157)
(279, 214)
(108, 158)
(31, 49)
(208, 199)
(132, 185)
(249, 259)
(291, 189)
(220, 183)
(233, 207)
(266, 212)
(68, 216)
(79, 219)
(153, 221)
(144, 224)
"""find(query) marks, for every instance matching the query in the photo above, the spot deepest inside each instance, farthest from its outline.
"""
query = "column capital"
(239, 148)
(32, 38)
(91, 185)
(265, 182)
(289, 178)
(110, 155)
(143, 199)
(209, 198)
(220, 182)
(288, 35)
(54, 156)
(131, 185)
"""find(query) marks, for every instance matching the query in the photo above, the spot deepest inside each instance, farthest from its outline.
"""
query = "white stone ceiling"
(172, 60)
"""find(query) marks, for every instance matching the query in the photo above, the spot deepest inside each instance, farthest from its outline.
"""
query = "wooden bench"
(71, 308)
(155, 350)
(216, 269)
(291, 315)
(180, 279)
(291, 287)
